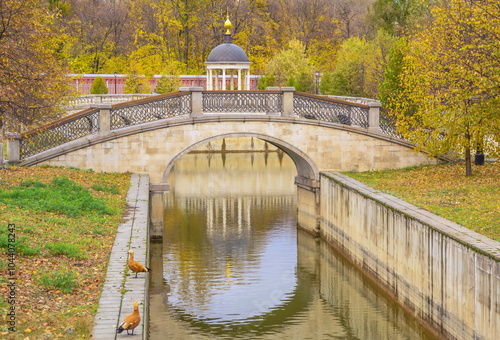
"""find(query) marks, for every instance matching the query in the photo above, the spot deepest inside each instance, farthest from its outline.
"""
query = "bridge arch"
(306, 167)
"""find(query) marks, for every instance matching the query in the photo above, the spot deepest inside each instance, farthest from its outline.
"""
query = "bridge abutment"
(308, 204)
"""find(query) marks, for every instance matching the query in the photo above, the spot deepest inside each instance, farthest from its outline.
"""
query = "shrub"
(98, 86)
(266, 81)
(168, 84)
(136, 84)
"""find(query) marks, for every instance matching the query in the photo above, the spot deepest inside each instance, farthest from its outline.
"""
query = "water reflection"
(232, 264)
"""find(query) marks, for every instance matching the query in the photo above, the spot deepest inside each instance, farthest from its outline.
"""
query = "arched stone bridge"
(150, 134)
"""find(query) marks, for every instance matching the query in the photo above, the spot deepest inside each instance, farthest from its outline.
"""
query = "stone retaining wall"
(447, 276)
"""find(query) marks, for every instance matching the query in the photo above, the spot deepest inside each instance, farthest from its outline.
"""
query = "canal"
(232, 264)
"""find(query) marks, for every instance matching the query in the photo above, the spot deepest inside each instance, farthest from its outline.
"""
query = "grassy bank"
(64, 222)
(473, 202)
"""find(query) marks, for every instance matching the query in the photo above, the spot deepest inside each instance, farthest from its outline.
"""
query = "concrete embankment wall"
(444, 274)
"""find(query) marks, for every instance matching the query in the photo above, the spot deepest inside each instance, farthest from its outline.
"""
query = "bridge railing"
(59, 132)
(150, 109)
(331, 110)
(248, 102)
(388, 124)
(195, 102)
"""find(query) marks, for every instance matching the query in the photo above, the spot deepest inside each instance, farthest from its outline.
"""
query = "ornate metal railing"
(59, 132)
(330, 110)
(387, 124)
(148, 109)
(242, 102)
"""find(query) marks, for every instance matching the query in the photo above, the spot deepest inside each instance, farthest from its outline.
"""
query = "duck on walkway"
(135, 266)
(131, 321)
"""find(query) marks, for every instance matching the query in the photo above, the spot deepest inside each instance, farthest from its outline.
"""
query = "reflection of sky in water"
(261, 283)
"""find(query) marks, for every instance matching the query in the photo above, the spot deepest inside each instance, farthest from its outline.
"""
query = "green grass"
(105, 188)
(65, 222)
(471, 201)
(61, 195)
(68, 249)
(63, 280)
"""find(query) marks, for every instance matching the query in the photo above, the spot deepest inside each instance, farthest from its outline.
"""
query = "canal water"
(232, 264)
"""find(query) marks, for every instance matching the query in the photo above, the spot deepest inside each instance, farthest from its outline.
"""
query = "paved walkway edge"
(121, 288)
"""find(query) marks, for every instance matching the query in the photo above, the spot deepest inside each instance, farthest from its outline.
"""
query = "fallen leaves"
(471, 201)
(45, 312)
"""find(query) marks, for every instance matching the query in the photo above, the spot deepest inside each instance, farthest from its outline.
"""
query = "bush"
(266, 81)
(98, 86)
(136, 84)
(168, 84)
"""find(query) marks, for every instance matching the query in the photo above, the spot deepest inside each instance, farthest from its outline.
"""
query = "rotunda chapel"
(228, 67)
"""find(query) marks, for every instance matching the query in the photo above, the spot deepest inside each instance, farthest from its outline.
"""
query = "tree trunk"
(468, 163)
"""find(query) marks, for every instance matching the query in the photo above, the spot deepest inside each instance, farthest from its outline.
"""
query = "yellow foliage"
(451, 81)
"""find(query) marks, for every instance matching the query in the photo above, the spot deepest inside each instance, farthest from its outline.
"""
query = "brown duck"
(135, 266)
(131, 321)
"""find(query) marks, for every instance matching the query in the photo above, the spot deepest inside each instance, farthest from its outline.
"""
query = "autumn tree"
(256, 32)
(291, 67)
(391, 87)
(450, 102)
(98, 86)
(391, 15)
(32, 80)
(360, 67)
(348, 77)
(97, 33)
(350, 17)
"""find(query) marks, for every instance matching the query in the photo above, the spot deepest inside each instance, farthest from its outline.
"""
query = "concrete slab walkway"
(121, 288)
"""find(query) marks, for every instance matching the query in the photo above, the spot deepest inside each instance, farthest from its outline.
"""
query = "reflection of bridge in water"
(203, 188)
(217, 209)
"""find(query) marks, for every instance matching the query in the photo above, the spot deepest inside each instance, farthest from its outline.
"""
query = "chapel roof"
(227, 52)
